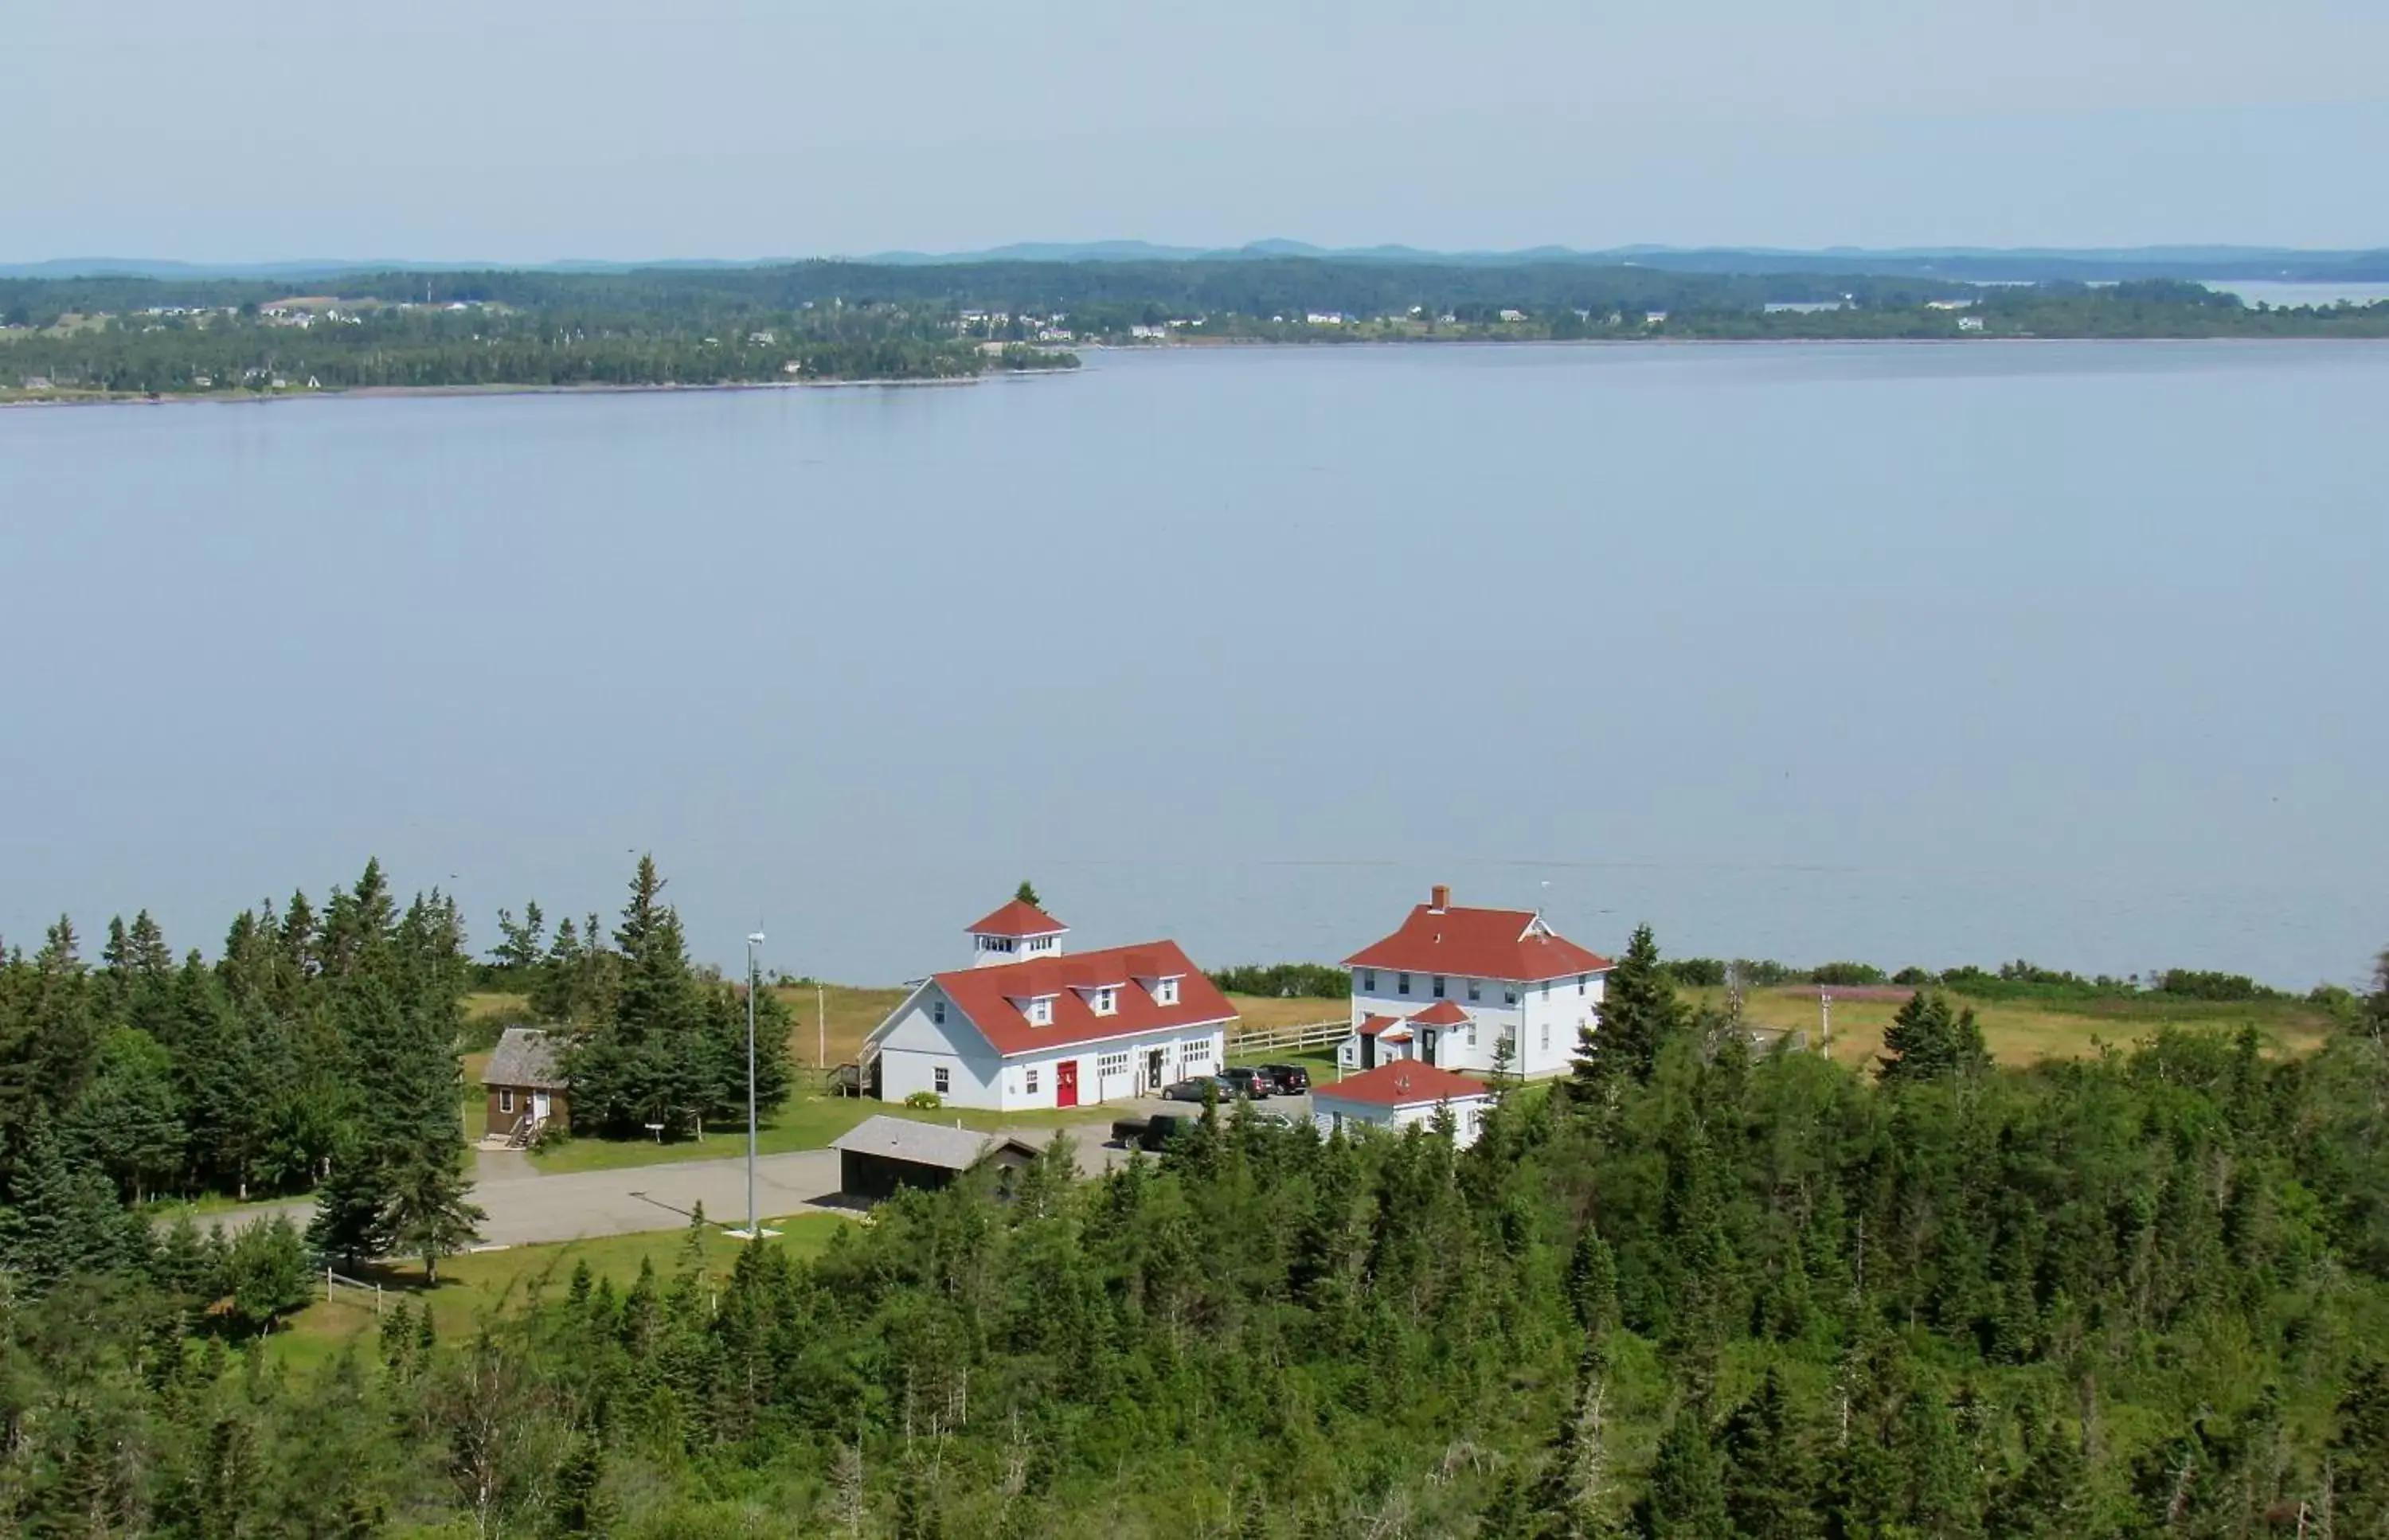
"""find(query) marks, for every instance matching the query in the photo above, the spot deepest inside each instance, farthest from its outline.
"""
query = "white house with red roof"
(1453, 983)
(1400, 1094)
(1027, 1026)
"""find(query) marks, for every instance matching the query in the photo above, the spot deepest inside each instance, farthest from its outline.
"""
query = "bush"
(2198, 983)
(1287, 980)
(1847, 973)
(1695, 973)
(1912, 977)
(926, 1102)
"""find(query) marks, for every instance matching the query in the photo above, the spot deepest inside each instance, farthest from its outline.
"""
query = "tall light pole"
(754, 1221)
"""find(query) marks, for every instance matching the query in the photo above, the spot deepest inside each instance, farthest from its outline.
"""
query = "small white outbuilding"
(1397, 1095)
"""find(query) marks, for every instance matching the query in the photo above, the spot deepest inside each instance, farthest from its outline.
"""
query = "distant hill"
(1974, 264)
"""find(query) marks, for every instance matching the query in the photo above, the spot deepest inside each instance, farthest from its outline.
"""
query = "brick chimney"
(1439, 898)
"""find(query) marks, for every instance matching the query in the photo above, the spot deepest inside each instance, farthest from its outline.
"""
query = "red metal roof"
(1372, 1026)
(1477, 943)
(1401, 1083)
(1018, 918)
(1441, 1013)
(986, 997)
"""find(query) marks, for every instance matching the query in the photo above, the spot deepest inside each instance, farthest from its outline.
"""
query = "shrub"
(1287, 980)
(1847, 973)
(926, 1102)
(1695, 973)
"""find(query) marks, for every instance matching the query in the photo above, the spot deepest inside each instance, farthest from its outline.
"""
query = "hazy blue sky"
(531, 129)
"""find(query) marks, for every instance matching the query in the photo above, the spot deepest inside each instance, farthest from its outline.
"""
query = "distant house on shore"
(1026, 1026)
(1452, 984)
(1402, 1095)
(881, 1154)
(526, 1085)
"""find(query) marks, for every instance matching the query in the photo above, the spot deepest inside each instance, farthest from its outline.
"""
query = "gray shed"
(883, 1154)
(526, 1084)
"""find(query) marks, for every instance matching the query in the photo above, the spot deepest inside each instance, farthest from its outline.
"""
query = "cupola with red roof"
(1015, 932)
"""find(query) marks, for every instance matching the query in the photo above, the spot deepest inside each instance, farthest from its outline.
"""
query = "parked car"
(1195, 1090)
(1290, 1079)
(1126, 1131)
(1161, 1128)
(1259, 1084)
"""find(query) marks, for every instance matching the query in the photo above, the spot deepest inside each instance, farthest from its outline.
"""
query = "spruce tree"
(1769, 1492)
(1639, 1015)
(1027, 894)
(126, 1120)
(424, 1212)
(1929, 1040)
(65, 1220)
(1592, 1283)
(1686, 1499)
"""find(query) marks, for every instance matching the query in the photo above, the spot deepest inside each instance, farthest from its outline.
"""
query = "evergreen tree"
(65, 1220)
(1593, 1282)
(1768, 1491)
(1929, 1040)
(424, 1212)
(1574, 1499)
(1639, 1015)
(2359, 1453)
(267, 1274)
(1027, 894)
(126, 1120)
(1686, 1497)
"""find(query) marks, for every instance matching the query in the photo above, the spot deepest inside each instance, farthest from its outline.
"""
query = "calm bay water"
(1912, 654)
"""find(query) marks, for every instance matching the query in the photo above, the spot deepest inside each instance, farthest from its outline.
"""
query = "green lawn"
(806, 1123)
(481, 1282)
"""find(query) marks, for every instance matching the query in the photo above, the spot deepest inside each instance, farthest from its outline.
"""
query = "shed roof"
(526, 1056)
(902, 1139)
(1403, 1083)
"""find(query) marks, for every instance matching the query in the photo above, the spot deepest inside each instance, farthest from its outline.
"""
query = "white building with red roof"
(1449, 985)
(1400, 1094)
(1027, 1026)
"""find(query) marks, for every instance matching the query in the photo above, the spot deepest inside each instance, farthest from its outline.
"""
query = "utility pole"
(754, 1222)
(1825, 1020)
(821, 1024)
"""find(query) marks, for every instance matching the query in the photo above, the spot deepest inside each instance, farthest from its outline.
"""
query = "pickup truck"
(1151, 1133)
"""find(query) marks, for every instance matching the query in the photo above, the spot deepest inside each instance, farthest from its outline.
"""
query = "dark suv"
(1289, 1079)
(1259, 1084)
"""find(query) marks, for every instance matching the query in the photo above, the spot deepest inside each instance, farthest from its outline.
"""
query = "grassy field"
(481, 1282)
(2023, 1032)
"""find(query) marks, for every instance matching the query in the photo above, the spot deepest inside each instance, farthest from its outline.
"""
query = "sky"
(533, 129)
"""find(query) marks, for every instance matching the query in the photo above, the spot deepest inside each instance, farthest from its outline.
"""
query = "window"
(1547, 1034)
(1475, 989)
(1509, 994)
(1032, 1082)
(1547, 989)
(1110, 1065)
(1106, 1001)
(941, 1079)
(505, 1101)
(938, 1012)
(1471, 1032)
(1195, 1055)
(1438, 982)
(1579, 983)
(1040, 1011)
(1401, 984)
(1368, 981)
(1165, 991)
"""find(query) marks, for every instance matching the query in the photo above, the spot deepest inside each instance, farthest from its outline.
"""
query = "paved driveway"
(526, 1207)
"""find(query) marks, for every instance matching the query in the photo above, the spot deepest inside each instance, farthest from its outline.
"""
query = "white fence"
(334, 1282)
(1288, 1039)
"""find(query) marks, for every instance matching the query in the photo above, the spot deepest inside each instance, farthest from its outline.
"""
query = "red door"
(1065, 1082)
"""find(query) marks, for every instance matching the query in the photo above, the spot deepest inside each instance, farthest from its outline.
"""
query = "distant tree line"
(856, 321)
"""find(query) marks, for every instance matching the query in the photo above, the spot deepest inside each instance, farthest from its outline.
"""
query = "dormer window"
(1105, 1001)
(1165, 991)
(1040, 1011)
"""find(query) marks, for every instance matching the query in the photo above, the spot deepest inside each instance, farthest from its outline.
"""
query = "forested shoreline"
(1690, 1291)
(116, 337)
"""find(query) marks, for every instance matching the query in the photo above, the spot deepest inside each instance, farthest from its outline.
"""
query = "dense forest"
(1686, 1292)
(843, 320)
